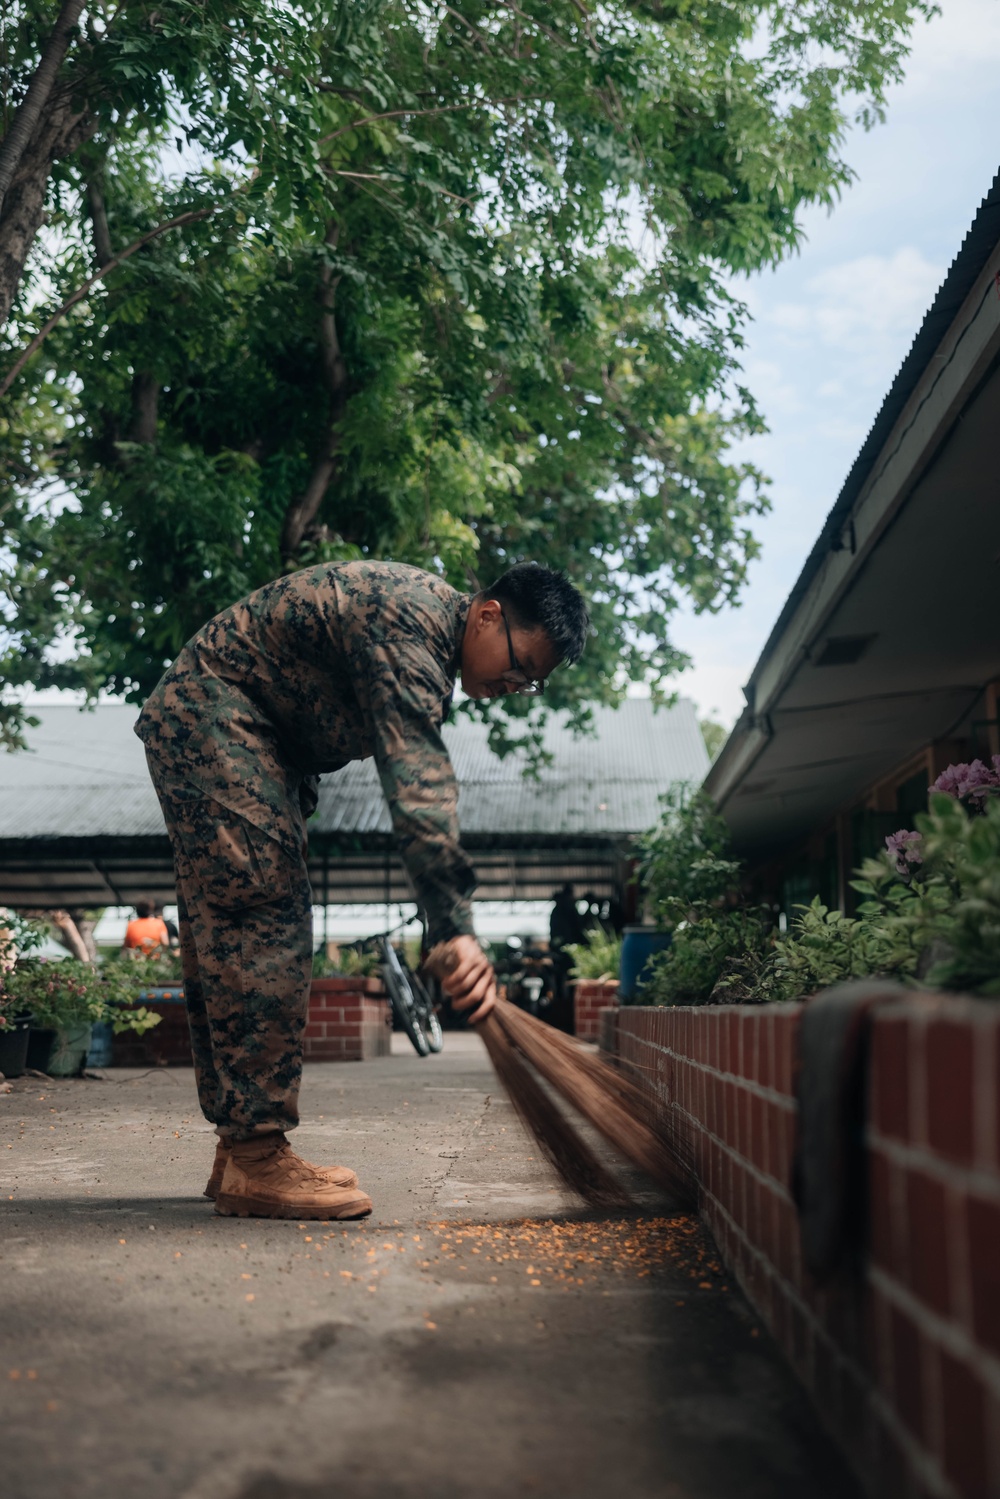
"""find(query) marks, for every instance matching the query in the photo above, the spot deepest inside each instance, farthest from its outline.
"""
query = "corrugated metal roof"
(84, 776)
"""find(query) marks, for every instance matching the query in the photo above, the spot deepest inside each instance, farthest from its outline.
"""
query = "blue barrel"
(168, 994)
(639, 944)
(101, 1042)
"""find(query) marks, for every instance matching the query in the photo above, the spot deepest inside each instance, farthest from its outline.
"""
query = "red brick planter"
(590, 997)
(166, 1045)
(904, 1363)
(350, 1020)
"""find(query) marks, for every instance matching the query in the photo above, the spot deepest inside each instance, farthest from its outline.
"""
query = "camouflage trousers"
(244, 908)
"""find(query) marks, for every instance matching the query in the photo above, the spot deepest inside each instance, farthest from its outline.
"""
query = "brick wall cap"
(347, 986)
(924, 1006)
(785, 1007)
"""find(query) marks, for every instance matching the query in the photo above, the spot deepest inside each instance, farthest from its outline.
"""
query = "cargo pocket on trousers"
(234, 864)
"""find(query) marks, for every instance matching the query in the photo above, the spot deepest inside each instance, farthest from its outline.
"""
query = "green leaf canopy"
(454, 286)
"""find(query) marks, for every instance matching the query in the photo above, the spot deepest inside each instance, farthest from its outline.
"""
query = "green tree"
(450, 284)
(714, 734)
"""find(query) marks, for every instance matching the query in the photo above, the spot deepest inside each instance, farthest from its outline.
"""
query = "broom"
(517, 1043)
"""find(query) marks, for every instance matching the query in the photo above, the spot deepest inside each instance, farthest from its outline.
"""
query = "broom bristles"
(612, 1104)
(571, 1156)
(630, 1094)
(604, 1073)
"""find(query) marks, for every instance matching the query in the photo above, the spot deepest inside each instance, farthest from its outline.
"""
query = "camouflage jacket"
(331, 664)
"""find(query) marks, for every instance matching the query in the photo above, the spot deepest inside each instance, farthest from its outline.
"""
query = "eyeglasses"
(523, 685)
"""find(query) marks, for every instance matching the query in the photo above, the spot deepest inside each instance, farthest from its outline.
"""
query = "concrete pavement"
(479, 1336)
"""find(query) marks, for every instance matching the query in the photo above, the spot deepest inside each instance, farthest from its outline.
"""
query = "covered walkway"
(80, 825)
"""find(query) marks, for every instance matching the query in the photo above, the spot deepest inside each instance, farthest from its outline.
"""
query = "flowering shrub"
(930, 915)
(975, 780)
(950, 913)
(904, 851)
(971, 783)
(17, 936)
(66, 992)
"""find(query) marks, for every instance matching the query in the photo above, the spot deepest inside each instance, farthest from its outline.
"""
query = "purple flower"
(949, 780)
(974, 780)
(979, 781)
(904, 848)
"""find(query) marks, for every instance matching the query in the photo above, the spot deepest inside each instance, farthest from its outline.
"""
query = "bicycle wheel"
(405, 1009)
(433, 1031)
(427, 1016)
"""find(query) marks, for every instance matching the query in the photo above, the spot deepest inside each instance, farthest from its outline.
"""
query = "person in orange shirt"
(146, 933)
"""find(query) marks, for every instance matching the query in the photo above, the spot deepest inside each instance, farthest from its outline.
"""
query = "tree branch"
(29, 112)
(103, 250)
(303, 511)
(395, 114)
(191, 217)
(381, 177)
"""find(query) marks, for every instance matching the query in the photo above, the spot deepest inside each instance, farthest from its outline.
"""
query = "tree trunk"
(303, 511)
(23, 212)
(86, 926)
(67, 934)
(103, 250)
(145, 407)
(29, 112)
(22, 217)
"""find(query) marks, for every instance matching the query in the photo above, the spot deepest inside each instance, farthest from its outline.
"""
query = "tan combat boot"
(264, 1178)
(341, 1176)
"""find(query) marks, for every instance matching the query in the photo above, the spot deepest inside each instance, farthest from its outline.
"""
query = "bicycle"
(411, 1003)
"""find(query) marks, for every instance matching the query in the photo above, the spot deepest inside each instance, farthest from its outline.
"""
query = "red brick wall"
(589, 999)
(904, 1363)
(350, 1020)
(166, 1045)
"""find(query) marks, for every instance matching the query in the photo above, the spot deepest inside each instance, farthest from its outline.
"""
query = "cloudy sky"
(831, 327)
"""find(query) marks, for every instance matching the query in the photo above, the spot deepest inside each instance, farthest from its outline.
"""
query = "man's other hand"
(470, 980)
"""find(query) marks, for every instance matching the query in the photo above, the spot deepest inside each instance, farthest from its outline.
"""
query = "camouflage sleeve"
(402, 690)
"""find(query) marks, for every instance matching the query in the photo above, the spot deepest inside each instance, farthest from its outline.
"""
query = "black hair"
(538, 598)
(144, 908)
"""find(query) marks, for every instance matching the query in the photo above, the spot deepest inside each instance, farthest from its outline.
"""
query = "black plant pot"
(40, 1044)
(14, 1048)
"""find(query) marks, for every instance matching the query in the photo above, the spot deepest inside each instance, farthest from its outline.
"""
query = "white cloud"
(965, 35)
(772, 387)
(873, 299)
(859, 317)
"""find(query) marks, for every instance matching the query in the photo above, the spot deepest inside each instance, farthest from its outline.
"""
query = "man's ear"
(490, 612)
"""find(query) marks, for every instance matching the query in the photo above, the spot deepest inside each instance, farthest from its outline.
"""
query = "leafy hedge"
(930, 913)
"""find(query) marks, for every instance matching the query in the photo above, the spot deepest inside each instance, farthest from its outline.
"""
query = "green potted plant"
(594, 979)
(597, 958)
(65, 998)
(17, 936)
(15, 1029)
(351, 962)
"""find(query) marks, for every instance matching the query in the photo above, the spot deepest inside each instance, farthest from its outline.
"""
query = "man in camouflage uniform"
(334, 663)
